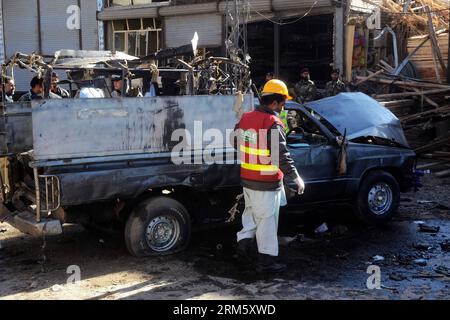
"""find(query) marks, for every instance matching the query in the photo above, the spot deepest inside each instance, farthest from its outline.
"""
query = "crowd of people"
(305, 89)
(36, 91)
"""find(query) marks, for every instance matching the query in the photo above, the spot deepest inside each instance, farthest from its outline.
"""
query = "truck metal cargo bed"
(89, 150)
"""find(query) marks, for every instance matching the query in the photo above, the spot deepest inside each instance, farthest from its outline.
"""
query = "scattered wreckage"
(104, 161)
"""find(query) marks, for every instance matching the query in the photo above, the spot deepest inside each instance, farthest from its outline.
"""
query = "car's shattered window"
(303, 130)
(324, 121)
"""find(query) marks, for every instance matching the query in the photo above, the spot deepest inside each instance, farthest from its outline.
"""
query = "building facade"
(282, 35)
(45, 26)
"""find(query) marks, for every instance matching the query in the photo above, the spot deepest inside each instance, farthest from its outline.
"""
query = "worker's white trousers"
(260, 219)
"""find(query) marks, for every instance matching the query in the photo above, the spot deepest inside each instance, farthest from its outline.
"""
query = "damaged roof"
(88, 59)
(360, 115)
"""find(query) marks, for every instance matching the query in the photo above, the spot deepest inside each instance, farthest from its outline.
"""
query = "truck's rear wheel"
(157, 226)
(378, 198)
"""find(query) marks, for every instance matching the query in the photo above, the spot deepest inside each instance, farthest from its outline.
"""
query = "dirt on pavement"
(331, 265)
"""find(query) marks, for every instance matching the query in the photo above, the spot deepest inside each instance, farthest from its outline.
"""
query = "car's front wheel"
(157, 226)
(378, 198)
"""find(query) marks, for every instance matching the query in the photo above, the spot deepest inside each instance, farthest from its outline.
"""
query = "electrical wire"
(284, 23)
(344, 2)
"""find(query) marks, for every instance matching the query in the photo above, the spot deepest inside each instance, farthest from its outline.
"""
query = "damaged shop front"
(282, 35)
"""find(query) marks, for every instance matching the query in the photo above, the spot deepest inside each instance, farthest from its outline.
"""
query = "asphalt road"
(331, 265)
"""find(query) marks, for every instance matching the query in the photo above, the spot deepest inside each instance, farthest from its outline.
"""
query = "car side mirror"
(340, 141)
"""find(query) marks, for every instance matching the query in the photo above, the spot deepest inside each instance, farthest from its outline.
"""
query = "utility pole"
(237, 15)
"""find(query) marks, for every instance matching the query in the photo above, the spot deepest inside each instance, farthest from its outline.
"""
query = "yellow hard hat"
(276, 86)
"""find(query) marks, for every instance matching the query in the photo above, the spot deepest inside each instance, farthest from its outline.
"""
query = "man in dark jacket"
(335, 86)
(37, 91)
(265, 161)
(9, 87)
(56, 89)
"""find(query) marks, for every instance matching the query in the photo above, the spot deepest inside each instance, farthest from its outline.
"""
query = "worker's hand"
(300, 185)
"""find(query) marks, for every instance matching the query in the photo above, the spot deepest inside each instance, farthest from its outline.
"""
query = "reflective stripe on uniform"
(259, 167)
(257, 152)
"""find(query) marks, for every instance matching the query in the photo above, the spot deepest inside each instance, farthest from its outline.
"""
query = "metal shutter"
(20, 19)
(55, 34)
(89, 26)
(180, 30)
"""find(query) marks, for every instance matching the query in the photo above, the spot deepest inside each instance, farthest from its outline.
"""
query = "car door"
(316, 159)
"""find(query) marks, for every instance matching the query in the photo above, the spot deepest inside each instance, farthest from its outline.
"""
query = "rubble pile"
(416, 89)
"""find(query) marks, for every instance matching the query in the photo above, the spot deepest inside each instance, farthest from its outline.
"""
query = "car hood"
(360, 115)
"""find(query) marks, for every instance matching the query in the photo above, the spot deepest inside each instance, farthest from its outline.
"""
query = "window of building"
(137, 37)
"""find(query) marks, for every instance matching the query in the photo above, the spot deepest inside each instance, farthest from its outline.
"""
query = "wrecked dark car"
(349, 148)
(107, 162)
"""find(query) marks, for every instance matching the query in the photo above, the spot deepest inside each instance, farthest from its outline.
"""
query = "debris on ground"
(286, 241)
(425, 201)
(422, 246)
(322, 228)
(339, 230)
(56, 288)
(397, 276)
(402, 259)
(394, 290)
(428, 228)
(377, 258)
(445, 245)
(442, 270)
(343, 256)
(413, 82)
(426, 275)
(442, 207)
(420, 262)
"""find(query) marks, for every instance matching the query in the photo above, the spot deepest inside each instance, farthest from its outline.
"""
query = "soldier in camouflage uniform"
(305, 89)
(335, 86)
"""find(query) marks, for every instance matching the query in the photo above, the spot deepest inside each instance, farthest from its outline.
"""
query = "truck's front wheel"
(378, 198)
(157, 226)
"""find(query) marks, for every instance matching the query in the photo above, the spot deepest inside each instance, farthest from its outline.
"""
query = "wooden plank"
(442, 173)
(406, 83)
(434, 40)
(409, 94)
(370, 77)
(431, 102)
(422, 59)
(425, 113)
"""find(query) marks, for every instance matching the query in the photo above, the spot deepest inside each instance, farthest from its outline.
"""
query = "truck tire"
(378, 198)
(157, 226)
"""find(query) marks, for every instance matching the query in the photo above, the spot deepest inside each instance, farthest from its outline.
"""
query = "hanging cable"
(284, 23)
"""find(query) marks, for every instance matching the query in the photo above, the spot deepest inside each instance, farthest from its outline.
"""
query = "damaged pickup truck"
(114, 161)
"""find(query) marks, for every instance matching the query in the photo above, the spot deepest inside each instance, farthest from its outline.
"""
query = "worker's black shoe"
(267, 264)
(244, 250)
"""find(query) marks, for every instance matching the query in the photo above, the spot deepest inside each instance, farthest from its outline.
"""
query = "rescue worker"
(37, 91)
(9, 87)
(335, 86)
(283, 117)
(304, 90)
(265, 160)
(56, 89)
